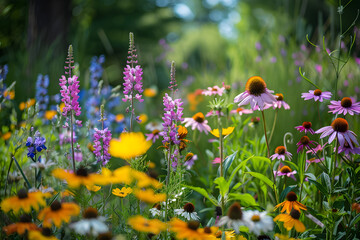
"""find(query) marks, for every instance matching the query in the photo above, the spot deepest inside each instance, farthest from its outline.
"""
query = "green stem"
(266, 139)
(273, 126)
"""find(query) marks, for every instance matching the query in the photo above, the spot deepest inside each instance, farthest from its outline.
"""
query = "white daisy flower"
(258, 222)
(188, 212)
(234, 218)
(42, 164)
(156, 211)
(92, 224)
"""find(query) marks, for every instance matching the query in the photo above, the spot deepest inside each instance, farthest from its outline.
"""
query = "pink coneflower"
(306, 126)
(197, 121)
(285, 171)
(345, 106)
(153, 136)
(280, 153)
(347, 150)
(256, 94)
(212, 113)
(317, 151)
(190, 159)
(280, 102)
(339, 128)
(215, 90)
(317, 95)
(242, 111)
(304, 143)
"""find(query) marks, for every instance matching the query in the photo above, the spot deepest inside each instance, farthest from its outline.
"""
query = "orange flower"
(291, 220)
(81, 177)
(20, 227)
(291, 203)
(58, 213)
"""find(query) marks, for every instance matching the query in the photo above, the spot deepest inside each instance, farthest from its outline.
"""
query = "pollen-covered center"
(235, 212)
(255, 218)
(189, 207)
(307, 125)
(22, 193)
(182, 132)
(199, 117)
(157, 206)
(46, 232)
(346, 102)
(340, 125)
(26, 218)
(280, 150)
(193, 225)
(317, 92)
(189, 156)
(90, 213)
(255, 85)
(239, 110)
(280, 97)
(207, 230)
(82, 172)
(55, 206)
(291, 196)
(285, 169)
(155, 132)
(305, 140)
(295, 214)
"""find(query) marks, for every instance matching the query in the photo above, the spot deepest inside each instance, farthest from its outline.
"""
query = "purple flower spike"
(69, 92)
(102, 152)
(133, 82)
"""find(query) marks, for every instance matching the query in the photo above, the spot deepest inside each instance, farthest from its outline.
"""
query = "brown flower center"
(55, 206)
(214, 89)
(157, 206)
(346, 102)
(153, 174)
(189, 207)
(193, 225)
(280, 150)
(255, 218)
(255, 85)
(291, 196)
(307, 125)
(207, 230)
(285, 169)
(199, 117)
(82, 172)
(105, 236)
(155, 132)
(26, 218)
(46, 232)
(235, 212)
(22, 193)
(239, 110)
(305, 140)
(340, 125)
(189, 156)
(280, 97)
(317, 92)
(218, 211)
(218, 234)
(295, 214)
(182, 132)
(90, 213)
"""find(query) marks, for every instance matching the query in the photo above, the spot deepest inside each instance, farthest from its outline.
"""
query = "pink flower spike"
(317, 95)
(345, 106)
(256, 94)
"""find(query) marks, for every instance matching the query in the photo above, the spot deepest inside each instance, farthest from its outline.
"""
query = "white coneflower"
(42, 164)
(92, 224)
(258, 222)
(234, 218)
(188, 212)
(156, 211)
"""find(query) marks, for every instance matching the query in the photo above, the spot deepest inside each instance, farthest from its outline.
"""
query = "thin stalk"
(273, 126)
(168, 165)
(221, 158)
(334, 162)
(132, 110)
(72, 140)
(8, 173)
(266, 139)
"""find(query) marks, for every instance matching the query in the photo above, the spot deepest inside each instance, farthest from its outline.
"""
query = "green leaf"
(354, 220)
(237, 169)
(319, 187)
(22, 173)
(325, 181)
(203, 192)
(308, 80)
(227, 163)
(263, 178)
(246, 200)
(222, 185)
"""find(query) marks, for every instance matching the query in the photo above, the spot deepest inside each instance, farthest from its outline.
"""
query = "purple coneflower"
(241, 111)
(215, 90)
(256, 94)
(285, 171)
(280, 102)
(339, 128)
(305, 143)
(306, 126)
(280, 153)
(317, 95)
(197, 121)
(347, 150)
(190, 159)
(345, 106)
(153, 135)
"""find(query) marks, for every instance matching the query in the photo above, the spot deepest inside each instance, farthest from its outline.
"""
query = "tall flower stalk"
(133, 79)
(102, 150)
(69, 93)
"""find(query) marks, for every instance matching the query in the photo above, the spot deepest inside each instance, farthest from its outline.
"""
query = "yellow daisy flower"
(121, 175)
(143, 180)
(291, 203)
(150, 92)
(142, 224)
(130, 145)
(119, 117)
(93, 188)
(44, 234)
(81, 177)
(24, 200)
(20, 227)
(143, 117)
(291, 220)
(149, 196)
(6, 136)
(123, 192)
(188, 230)
(49, 115)
(225, 131)
(283, 237)
(58, 213)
